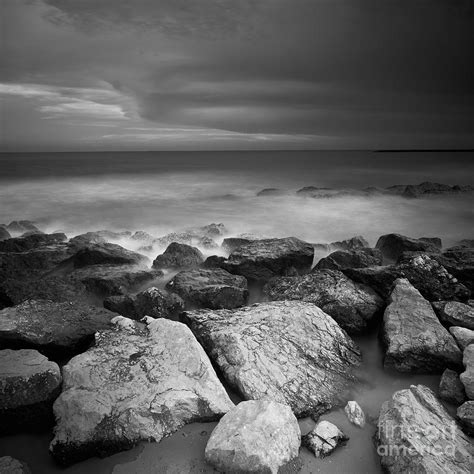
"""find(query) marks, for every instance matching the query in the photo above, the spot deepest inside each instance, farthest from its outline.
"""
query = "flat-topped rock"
(454, 313)
(392, 246)
(179, 255)
(324, 439)
(289, 351)
(358, 258)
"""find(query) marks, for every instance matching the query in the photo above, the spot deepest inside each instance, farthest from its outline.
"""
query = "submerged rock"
(289, 351)
(136, 384)
(451, 389)
(465, 414)
(455, 313)
(463, 336)
(414, 338)
(324, 439)
(179, 255)
(107, 254)
(392, 246)
(342, 259)
(467, 377)
(355, 414)
(254, 437)
(416, 434)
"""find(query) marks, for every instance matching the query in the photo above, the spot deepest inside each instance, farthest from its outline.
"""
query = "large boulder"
(353, 305)
(254, 437)
(416, 434)
(210, 288)
(324, 439)
(29, 384)
(56, 329)
(462, 336)
(152, 302)
(289, 351)
(454, 313)
(31, 241)
(107, 254)
(342, 259)
(179, 255)
(467, 377)
(451, 388)
(98, 237)
(414, 338)
(260, 260)
(135, 384)
(229, 244)
(465, 414)
(392, 246)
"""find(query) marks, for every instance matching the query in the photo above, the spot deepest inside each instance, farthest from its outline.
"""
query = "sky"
(82, 75)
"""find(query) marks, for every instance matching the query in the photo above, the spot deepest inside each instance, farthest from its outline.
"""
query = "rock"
(9, 465)
(459, 261)
(353, 243)
(174, 237)
(179, 256)
(29, 242)
(462, 336)
(450, 388)
(414, 338)
(465, 414)
(232, 243)
(271, 192)
(261, 260)
(436, 241)
(134, 385)
(4, 235)
(393, 245)
(467, 377)
(453, 313)
(416, 434)
(355, 413)
(289, 351)
(29, 384)
(324, 439)
(151, 302)
(342, 259)
(207, 243)
(98, 237)
(254, 437)
(214, 261)
(107, 254)
(142, 236)
(210, 230)
(20, 227)
(352, 305)
(55, 329)
(427, 188)
(210, 288)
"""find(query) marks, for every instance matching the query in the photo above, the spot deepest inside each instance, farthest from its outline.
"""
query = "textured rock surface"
(451, 389)
(358, 258)
(29, 242)
(4, 234)
(21, 227)
(9, 465)
(56, 329)
(179, 255)
(459, 261)
(289, 351)
(462, 336)
(455, 313)
(98, 237)
(324, 439)
(416, 434)
(107, 254)
(465, 413)
(467, 377)
(137, 384)
(254, 437)
(355, 413)
(210, 288)
(415, 339)
(353, 305)
(29, 384)
(393, 245)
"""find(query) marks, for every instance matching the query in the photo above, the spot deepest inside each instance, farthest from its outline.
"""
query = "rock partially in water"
(107, 254)
(289, 351)
(414, 338)
(427, 188)
(392, 246)
(98, 237)
(354, 306)
(30, 242)
(324, 439)
(9, 465)
(254, 437)
(451, 389)
(454, 313)
(232, 243)
(465, 414)
(210, 288)
(459, 261)
(214, 261)
(417, 434)
(355, 414)
(179, 255)
(342, 259)
(271, 192)
(29, 384)
(207, 243)
(467, 377)
(133, 385)
(463, 336)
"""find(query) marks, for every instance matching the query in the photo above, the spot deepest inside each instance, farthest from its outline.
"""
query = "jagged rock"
(455, 313)
(417, 434)
(393, 245)
(263, 259)
(414, 338)
(355, 414)
(9, 465)
(56, 329)
(232, 243)
(29, 242)
(20, 227)
(179, 256)
(467, 377)
(107, 254)
(465, 413)
(29, 384)
(98, 237)
(210, 288)
(353, 305)
(142, 236)
(254, 437)
(289, 351)
(353, 243)
(342, 259)
(324, 439)
(450, 388)
(135, 384)
(4, 234)
(173, 237)
(462, 336)
(459, 261)
(151, 302)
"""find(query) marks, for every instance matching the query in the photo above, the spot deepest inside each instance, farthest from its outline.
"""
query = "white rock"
(355, 413)
(324, 439)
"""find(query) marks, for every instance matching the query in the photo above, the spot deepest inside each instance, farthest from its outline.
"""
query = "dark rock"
(98, 237)
(9, 465)
(107, 254)
(465, 414)
(214, 261)
(179, 256)
(230, 244)
(392, 246)
(466, 243)
(426, 189)
(270, 192)
(32, 241)
(353, 243)
(342, 259)
(454, 313)
(459, 261)
(451, 389)
(324, 439)
(436, 241)
(4, 234)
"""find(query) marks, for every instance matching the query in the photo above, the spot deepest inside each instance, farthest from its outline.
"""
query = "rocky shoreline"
(116, 349)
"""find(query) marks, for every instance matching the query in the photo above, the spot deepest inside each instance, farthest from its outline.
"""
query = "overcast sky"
(243, 74)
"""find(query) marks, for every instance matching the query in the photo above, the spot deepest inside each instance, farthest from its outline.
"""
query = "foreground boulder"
(416, 434)
(136, 384)
(342, 259)
(324, 439)
(462, 336)
(179, 255)
(107, 254)
(254, 437)
(454, 313)
(465, 414)
(467, 377)
(9, 465)
(392, 246)
(289, 351)
(56, 329)
(29, 384)
(210, 288)
(415, 339)
(451, 388)
(260, 260)
(353, 305)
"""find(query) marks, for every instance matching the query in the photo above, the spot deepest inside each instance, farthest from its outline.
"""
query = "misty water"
(164, 192)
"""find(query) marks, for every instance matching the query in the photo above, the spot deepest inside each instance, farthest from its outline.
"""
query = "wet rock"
(107, 254)
(289, 351)
(29, 242)
(342, 259)
(4, 234)
(214, 261)
(254, 437)
(414, 338)
(353, 305)
(9, 465)
(417, 434)
(324, 439)
(29, 384)
(179, 256)
(450, 388)
(210, 288)
(151, 302)
(261, 260)
(465, 414)
(55, 329)
(392, 246)
(454, 313)
(135, 384)
(355, 414)
(462, 336)
(467, 377)
(98, 237)
(230, 244)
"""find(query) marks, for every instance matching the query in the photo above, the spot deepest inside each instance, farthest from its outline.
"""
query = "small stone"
(324, 439)
(355, 413)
